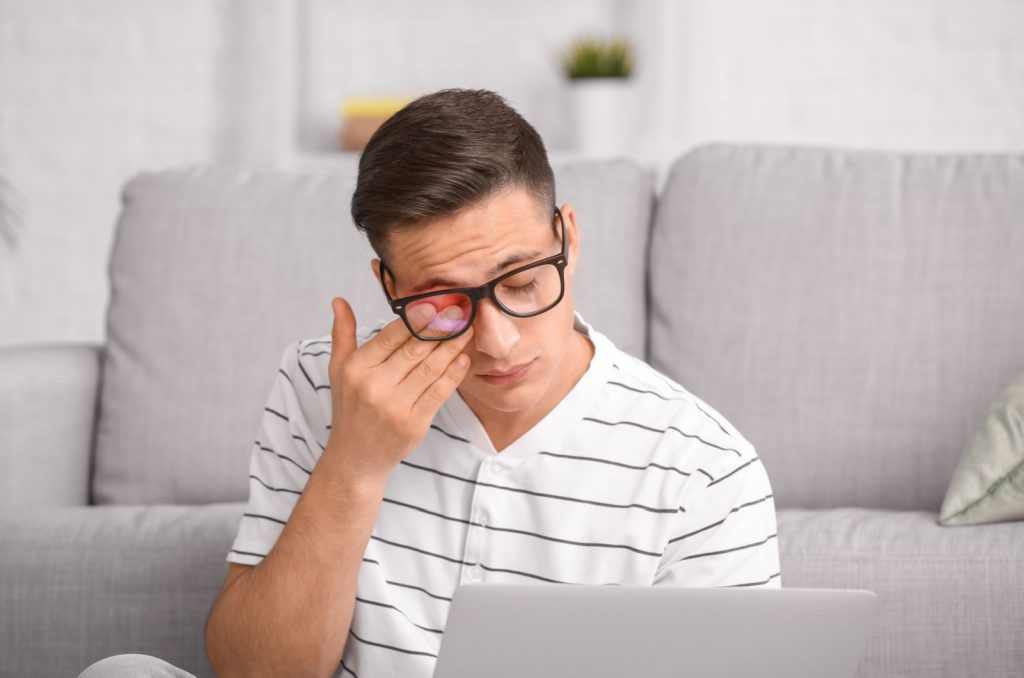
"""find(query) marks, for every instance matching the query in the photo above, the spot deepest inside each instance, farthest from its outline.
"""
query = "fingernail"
(421, 313)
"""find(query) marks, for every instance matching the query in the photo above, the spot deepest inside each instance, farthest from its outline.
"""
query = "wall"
(93, 92)
(90, 94)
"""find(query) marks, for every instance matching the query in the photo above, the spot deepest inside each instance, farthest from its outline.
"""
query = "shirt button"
(483, 519)
(497, 469)
(476, 572)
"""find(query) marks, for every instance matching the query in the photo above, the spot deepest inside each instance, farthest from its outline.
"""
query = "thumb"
(343, 333)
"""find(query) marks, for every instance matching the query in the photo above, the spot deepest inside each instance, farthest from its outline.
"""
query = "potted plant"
(599, 73)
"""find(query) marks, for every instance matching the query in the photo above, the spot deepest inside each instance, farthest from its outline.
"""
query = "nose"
(494, 333)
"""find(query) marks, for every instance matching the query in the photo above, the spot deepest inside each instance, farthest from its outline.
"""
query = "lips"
(509, 376)
(504, 373)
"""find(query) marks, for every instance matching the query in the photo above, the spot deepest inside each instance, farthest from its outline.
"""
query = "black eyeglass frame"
(481, 292)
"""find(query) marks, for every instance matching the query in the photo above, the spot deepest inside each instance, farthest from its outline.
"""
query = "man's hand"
(386, 392)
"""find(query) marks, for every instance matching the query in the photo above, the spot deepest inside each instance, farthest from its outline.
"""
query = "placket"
(481, 515)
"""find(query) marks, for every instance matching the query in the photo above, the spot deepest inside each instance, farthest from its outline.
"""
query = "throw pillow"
(988, 484)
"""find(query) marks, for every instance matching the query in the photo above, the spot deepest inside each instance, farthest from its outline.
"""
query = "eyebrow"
(508, 261)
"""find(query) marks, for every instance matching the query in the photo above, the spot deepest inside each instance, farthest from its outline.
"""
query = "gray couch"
(852, 313)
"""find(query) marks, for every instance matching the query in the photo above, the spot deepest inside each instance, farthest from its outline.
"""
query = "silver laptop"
(564, 631)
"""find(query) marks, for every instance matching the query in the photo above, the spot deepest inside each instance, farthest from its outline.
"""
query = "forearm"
(290, 615)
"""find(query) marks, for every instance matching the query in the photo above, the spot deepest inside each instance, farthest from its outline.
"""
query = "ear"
(572, 234)
(375, 267)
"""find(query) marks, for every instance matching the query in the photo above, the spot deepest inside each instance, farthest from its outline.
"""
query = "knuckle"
(427, 370)
(434, 395)
(410, 351)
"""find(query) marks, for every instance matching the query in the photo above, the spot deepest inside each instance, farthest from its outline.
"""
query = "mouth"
(508, 376)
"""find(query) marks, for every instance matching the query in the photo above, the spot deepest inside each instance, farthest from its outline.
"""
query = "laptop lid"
(539, 630)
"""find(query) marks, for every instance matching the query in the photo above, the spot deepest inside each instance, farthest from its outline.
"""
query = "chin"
(507, 398)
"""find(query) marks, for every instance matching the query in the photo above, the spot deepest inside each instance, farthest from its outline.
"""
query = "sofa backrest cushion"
(215, 270)
(853, 313)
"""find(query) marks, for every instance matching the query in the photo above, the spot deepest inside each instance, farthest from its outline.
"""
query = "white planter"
(604, 115)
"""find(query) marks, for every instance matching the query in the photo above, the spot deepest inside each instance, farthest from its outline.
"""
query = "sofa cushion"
(79, 584)
(851, 312)
(215, 270)
(949, 601)
(988, 485)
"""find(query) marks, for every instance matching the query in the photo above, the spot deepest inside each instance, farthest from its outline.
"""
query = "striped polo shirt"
(629, 480)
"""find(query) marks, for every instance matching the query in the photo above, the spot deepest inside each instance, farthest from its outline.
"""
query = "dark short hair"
(441, 153)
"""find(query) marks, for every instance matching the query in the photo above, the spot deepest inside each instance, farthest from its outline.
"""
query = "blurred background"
(94, 91)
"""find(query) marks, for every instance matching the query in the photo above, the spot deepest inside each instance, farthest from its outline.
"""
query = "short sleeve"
(293, 429)
(725, 533)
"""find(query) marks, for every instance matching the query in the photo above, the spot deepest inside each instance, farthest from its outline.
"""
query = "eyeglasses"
(522, 292)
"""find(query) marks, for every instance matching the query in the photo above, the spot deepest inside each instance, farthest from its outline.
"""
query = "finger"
(343, 331)
(437, 393)
(428, 321)
(430, 369)
(394, 335)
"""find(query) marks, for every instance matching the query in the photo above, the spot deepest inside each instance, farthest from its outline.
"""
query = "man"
(488, 434)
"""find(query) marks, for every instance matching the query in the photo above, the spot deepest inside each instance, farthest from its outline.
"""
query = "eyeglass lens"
(525, 293)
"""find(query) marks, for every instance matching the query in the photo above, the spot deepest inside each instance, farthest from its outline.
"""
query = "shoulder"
(305, 362)
(638, 393)
(311, 355)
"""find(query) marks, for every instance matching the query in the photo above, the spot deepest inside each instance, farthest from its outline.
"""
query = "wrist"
(353, 469)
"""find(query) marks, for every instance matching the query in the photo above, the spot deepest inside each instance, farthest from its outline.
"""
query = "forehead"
(473, 245)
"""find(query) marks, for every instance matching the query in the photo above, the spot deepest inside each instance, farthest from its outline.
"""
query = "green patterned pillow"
(988, 485)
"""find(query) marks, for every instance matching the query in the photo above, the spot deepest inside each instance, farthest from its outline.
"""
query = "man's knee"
(133, 666)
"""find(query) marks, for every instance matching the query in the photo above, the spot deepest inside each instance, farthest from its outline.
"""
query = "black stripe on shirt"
(468, 564)
(734, 471)
(278, 414)
(298, 437)
(708, 527)
(391, 647)
(540, 494)
(521, 574)
(248, 553)
(313, 355)
(663, 430)
(374, 602)
(674, 389)
(457, 561)
(407, 586)
(298, 361)
(450, 435)
(639, 390)
(736, 548)
(753, 583)
(259, 515)
(344, 667)
(525, 532)
(615, 463)
(275, 489)
(267, 449)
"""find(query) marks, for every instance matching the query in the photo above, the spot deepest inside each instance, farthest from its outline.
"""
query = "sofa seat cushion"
(82, 583)
(79, 584)
(949, 599)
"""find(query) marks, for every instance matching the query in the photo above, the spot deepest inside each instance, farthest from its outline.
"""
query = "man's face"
(475, 245)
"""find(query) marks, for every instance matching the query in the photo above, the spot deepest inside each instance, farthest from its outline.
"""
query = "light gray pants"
(133, 666)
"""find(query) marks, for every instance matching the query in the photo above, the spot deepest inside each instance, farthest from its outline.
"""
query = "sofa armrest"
(48, 406)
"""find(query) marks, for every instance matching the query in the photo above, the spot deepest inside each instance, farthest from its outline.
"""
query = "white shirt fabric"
(629, 480)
